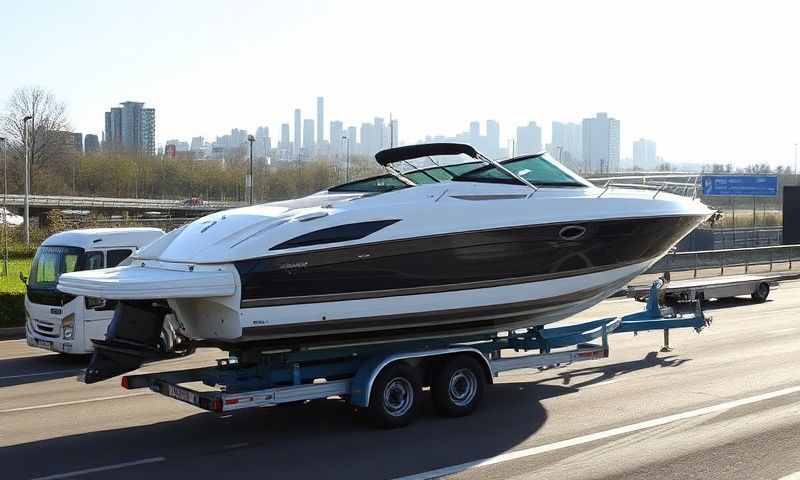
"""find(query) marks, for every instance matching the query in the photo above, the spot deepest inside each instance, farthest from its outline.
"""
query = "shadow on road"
(40, 368)
(593, 375)
(319, 439)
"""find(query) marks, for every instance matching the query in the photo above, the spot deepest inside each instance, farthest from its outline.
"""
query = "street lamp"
(347, 146)
(27, 182)
(5, 206)
(795, 164)
(249, 182)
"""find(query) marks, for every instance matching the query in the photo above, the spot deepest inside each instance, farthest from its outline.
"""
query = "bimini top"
(410, 152)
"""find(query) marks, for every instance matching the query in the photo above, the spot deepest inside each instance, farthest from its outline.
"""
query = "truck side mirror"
(23, 278)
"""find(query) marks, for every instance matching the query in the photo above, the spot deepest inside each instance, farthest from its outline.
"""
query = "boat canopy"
(410, 152)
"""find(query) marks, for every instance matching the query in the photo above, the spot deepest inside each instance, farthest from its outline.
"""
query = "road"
(724, 404)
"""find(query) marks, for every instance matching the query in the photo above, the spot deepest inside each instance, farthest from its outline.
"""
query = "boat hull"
(454, 313)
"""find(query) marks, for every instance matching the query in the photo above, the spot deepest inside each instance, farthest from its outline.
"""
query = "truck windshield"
(50, 262)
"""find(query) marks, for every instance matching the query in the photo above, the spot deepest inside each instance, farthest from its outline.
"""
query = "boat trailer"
(387, 379)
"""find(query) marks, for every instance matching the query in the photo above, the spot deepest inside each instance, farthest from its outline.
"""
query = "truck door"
(96, 313)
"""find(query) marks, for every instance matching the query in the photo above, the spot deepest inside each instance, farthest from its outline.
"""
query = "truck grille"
(45, 328)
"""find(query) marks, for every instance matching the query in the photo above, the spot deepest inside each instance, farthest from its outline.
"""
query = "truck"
(66, 323)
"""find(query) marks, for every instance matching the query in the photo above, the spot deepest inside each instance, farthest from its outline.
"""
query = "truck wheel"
(761, 293)
(395, 396)
(458, 386)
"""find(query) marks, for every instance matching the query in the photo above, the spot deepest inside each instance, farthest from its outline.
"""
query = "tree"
(47, 141)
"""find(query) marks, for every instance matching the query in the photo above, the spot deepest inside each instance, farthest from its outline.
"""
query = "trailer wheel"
(458, 386)
(761, 293)
(395, 396)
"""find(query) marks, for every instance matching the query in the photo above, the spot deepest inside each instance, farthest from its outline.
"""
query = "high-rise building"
(285, 145)
(475, 135)
(367, 139)
(566, 144)
(131, 127)
(379, 135)
(320, 121)
(263, 143)
(112, 138)
(77, 142)
(601, 136)
(394, 136)
(197, 144)
(529, 139)
(351, 137)
(492, 145)
(644, 154)
(297, 133)
(149, 131)
(91, 143)
(308, 137)
(337, 132)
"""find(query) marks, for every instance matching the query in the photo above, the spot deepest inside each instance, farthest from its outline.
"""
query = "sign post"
(740, 186)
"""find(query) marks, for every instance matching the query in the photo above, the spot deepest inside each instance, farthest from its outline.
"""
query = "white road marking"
(792, 476)
(607, 382)
(144, 461)
(75, 402)
(592, 437)
(53, 372)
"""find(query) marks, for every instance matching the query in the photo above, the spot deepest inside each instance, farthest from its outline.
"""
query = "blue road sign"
(741, 185)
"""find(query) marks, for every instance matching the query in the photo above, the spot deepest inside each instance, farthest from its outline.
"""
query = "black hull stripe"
(458, 261)
(399, 292)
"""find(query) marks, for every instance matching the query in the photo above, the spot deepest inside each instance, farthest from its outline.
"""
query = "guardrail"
(732, 257)
(119, 203)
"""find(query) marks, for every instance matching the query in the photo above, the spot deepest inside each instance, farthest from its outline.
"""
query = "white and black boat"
(469, 247)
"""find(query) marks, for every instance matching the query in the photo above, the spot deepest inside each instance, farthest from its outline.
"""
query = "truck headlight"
(68, 326)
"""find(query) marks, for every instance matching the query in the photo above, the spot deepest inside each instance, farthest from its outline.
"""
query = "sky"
(710, 81)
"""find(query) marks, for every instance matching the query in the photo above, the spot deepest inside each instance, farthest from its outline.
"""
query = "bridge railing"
(119, 203)
(728, 258)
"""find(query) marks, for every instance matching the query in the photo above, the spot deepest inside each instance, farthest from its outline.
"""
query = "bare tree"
(48, 136)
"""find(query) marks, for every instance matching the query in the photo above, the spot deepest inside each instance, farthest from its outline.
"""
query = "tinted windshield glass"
(540, 170)
(50, 262)
(384, 183)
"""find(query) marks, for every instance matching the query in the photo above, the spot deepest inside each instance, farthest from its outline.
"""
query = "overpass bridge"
(119, 205)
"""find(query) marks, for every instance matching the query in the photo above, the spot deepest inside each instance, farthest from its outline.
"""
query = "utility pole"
(27, 182)
(5, 208)
(347, 149)
(249, 182)
(795, 164)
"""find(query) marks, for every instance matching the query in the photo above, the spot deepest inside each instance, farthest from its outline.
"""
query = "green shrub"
(12, 309)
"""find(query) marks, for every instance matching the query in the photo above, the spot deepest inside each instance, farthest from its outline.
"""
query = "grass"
(12, 293)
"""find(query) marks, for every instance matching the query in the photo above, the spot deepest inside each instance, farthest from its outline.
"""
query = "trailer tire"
(458, 386)
(395, 396)
(761, 293)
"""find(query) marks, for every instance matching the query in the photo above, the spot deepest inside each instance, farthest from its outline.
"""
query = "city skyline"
(689, 91)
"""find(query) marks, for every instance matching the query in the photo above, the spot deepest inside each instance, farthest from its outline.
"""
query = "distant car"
(194, 202)
(8, 218)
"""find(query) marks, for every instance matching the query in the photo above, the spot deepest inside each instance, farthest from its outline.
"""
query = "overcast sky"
(708, 81)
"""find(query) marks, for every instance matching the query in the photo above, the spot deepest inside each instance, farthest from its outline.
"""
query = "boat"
(461, 245)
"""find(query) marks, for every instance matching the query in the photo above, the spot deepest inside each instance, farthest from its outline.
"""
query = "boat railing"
(659, 183)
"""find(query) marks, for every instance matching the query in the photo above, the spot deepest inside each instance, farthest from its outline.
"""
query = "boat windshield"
(50, 262)
(540, 170)
(388, 182)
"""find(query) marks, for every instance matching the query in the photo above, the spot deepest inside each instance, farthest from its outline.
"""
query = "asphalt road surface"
(724, 404)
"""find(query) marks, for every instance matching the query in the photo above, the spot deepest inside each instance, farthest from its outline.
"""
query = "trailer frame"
(357, 372)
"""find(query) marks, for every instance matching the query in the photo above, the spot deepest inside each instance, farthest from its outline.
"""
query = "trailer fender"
(361, 384)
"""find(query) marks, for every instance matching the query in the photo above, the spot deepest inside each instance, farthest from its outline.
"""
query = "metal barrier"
(732, 257)
(119, 203)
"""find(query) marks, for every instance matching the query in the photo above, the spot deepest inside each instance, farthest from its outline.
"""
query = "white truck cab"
(66, 323)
